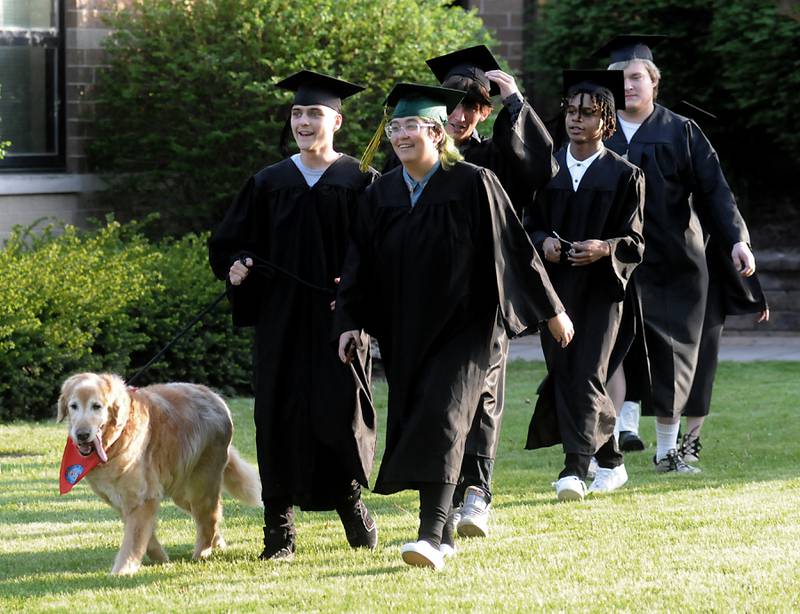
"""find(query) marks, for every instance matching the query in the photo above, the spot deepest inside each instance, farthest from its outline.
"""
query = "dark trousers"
(475, 471)
(279, 511)
(481, 446)
(608, 456)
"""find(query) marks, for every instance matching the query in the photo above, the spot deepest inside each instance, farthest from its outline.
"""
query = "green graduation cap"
(413, 100)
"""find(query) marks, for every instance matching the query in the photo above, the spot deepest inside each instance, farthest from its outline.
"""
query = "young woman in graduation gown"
(281, 246)
(589, 230)
(436, 250)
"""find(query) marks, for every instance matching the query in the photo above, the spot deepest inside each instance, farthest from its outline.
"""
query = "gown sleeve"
(237, 235)
(524, 290)
(627, 244)
(711, 192)
(525, 146)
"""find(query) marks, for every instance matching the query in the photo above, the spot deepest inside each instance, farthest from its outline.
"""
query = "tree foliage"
(737, 59)
(187, 108)
(730, 57)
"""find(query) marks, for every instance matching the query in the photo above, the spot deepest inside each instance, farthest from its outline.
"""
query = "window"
(32, 83)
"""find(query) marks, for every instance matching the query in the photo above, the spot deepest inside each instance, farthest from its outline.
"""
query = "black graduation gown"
(520, 153)
(315, 424)
(427, 282)
(672, 281)
(573, 407)
(728, 294)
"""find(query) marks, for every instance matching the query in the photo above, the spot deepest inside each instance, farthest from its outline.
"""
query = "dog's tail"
(240, 480)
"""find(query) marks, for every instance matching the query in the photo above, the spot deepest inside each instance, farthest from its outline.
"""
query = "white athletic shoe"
(608, 480)
(422, 554)
(474, 521)
(570, 488)
(447, 550)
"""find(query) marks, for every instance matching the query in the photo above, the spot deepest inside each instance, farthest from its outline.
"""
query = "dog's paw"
(127, 568)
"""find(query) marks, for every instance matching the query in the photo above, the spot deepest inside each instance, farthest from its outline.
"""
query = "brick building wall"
(506, 19)
(84, 32)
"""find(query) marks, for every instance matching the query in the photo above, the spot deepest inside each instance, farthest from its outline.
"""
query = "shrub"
(188, 103)
(108, 300)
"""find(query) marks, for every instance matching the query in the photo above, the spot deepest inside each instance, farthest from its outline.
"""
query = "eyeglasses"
(410, 128)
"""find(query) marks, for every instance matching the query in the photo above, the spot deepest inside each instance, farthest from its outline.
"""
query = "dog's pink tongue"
(98, 447)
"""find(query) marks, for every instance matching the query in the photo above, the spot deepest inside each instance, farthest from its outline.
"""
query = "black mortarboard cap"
(472, 62)
(629, 47)
(692, 111)
(315, 88)
(611, 80)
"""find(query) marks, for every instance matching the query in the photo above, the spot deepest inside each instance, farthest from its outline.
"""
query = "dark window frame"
(56, 161)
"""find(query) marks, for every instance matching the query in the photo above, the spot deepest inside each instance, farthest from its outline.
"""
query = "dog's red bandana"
(75, 466)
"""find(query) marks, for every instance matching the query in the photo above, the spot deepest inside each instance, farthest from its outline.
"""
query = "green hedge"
(187, 108)
(109, 299)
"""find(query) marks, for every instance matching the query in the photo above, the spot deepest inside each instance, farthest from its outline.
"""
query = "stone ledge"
(778, 259)
(21, 184)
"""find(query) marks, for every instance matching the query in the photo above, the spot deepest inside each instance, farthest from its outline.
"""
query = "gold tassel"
(374, 143)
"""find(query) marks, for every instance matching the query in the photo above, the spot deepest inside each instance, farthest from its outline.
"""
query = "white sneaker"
(422, 554)
(570, 488)
(447, 550)
(608, 480)
(592, 471)
(474, 521)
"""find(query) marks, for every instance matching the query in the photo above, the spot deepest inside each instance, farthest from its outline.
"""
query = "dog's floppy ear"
(116, 393)
(66, 388)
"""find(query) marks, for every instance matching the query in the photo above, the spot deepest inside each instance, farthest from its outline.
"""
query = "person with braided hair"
(587, 225)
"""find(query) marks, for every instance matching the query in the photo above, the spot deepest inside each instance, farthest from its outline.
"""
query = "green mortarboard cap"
(413, 99)
(315, 88)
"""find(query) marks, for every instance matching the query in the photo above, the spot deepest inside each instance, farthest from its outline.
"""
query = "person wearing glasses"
(281, 246)
(436, 251)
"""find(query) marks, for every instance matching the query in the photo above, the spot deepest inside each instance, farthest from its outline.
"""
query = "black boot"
(278, 545)
(359, 526)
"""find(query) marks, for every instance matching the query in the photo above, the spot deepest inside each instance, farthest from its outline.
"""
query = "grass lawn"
(727, 539)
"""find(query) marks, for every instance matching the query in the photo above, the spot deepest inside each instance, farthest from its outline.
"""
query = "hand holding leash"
(240, 270)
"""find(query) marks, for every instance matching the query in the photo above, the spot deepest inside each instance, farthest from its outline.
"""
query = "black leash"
(271, 266)
(263, 264)
(175, 339)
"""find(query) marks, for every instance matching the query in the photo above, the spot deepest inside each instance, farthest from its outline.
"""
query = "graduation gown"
(520, 153)
(428, 281)
(672, 281)
(728, 294)
(573, 407)
(315, 425)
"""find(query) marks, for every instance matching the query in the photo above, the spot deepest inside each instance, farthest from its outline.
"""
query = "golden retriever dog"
(170, 440)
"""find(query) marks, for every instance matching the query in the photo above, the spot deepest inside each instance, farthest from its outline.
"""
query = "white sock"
(666, 438)
(628, 419)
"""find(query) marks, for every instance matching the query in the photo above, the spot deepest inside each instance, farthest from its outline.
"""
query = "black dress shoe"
(278, 545)
(630, 442)
(359, 526)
